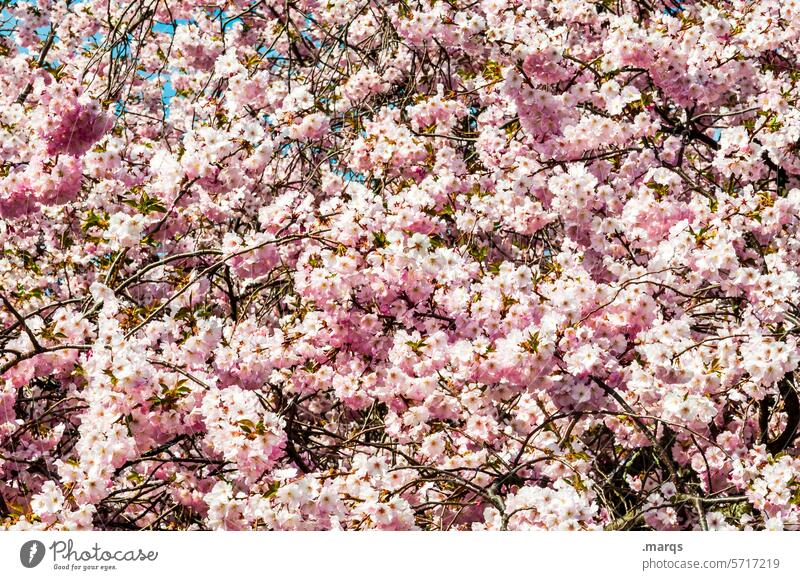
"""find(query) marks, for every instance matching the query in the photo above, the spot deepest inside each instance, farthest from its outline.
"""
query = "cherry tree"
(407, 264)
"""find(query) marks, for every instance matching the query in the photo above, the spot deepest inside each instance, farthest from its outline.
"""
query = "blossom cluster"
(418, 265)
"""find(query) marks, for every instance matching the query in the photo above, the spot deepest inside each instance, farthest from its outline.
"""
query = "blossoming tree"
(399, 264)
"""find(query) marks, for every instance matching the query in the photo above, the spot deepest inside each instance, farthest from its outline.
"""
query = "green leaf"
(379, 239)
(95, 220)
(146, 204)
(532, 344)
(272, 489)
(416, 345)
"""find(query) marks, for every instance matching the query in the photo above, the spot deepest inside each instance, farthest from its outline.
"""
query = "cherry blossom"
(423, 265)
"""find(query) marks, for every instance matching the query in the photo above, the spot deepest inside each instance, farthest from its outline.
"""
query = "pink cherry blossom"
(493, 265)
